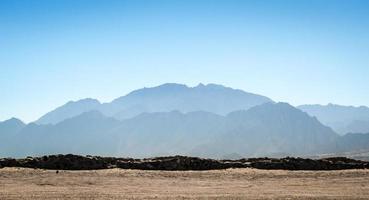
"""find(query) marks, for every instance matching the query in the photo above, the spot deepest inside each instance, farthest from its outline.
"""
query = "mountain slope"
(68, 110)
(268, 129)
(11, 126)
(164, 98)
(166, 133)
(356, 126)
(8, 129)
(168, 97)
(353, 142)
(85, 134)
(272, 129)
(343, 119)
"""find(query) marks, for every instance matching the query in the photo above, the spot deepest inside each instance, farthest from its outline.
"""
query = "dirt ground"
(19, 183)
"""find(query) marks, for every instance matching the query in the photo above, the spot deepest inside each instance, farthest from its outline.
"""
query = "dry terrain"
(21, 183)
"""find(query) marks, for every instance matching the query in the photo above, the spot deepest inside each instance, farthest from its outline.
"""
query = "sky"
(296, 51)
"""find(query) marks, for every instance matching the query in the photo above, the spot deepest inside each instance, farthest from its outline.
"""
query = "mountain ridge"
(206, 120)
(267, 129)
(340, 118)
(68, 110)
(166, 97)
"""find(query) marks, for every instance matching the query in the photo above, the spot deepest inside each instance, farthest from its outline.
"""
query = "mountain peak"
(10, 127)
(14, 121)
(278, 105)
(172, 85)
(85, 100)
(172, 96)
(268, 107)
(163, 98)
(211, 86)
(68, 110)
(157, 90)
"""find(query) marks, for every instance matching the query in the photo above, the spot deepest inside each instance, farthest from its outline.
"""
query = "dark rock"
(76, 162)
(173, 163)
(8, 162)
(66, 162)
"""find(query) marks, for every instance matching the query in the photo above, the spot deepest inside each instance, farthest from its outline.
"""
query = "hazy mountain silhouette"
(343, 119)
(8, 130)
(206, 120)
(167, 133)
(357, 126)
(70, 109)
(164, 98)
(353, 142)
(11, 126)
(93, 133)
(168, 97)
(272, 129)
(84, 133)
(268, 129)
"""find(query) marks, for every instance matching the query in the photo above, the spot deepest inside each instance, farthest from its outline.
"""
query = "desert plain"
(24, 183)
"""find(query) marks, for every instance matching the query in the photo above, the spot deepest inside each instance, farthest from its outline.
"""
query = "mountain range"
(164, 98)
(206, 120)
(343, 119)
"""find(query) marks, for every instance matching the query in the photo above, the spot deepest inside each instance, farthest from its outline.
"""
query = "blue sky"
(292, 51)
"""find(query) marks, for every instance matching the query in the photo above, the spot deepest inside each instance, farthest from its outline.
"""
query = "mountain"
(267, 129)
(356, 126)
(167, 133)
(206, 120)
(93, 133)
(164, 98)
(168, 97)
(272, 129)
(352, 142)
(343, 119)
(68, 110)
(11, 126)
(8, 129)
(84, 134)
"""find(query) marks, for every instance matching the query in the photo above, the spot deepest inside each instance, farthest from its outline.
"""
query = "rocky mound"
(67, 162)
(76, 162)
(179, 163)
(289, 163)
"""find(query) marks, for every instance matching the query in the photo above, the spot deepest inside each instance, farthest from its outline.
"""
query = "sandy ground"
(19, 183)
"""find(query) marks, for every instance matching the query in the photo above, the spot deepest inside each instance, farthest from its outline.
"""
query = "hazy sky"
(293, 51)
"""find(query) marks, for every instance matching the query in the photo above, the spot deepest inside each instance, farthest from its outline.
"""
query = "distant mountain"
(93, 133)
(268, 129)
(343, 119)
(356, 126)
(168, 97)
(353, 142)
(167, 133)
(8, 130)
(68, 110)
(85, 133)
(164, 98)
(272, 129)
(206, 120)
(11, 126)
